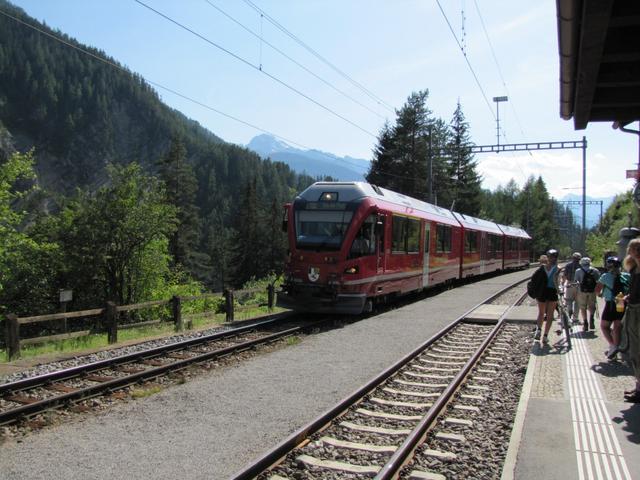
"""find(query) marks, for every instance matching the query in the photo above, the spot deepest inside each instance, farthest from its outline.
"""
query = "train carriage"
(352, 244)
(516, 247)
(482, 250)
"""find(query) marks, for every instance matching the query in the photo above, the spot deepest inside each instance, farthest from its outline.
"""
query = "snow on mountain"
(312, 162)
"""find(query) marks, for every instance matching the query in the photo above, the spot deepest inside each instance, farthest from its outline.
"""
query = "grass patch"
(293, 340)
(145, 392)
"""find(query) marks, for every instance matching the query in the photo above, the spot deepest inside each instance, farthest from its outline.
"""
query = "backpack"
(537, 283)
(618, 285)
(588, 282)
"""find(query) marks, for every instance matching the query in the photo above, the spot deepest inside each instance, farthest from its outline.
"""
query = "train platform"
(572, 421)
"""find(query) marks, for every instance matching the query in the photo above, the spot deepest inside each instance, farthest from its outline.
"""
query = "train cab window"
(365, 241)
(443, 238)
(470, 242)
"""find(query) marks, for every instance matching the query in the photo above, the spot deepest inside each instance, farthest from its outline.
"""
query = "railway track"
(30, 396)
(436, 392)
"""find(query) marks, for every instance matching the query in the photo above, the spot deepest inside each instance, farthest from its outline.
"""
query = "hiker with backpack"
(612, 285)
(570, 287)
(587, 278)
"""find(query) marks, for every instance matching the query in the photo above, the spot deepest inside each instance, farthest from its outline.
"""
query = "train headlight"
(351, 270)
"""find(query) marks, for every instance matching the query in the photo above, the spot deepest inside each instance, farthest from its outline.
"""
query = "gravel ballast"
(214, 424)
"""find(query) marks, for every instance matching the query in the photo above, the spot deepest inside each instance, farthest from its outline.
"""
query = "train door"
(379, 231)
(425, 259)
(483, 252)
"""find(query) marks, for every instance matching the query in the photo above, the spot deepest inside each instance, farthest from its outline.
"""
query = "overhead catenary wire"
(495, 59)
(163, 87)
(288, 57)
(151, 82)
(464, 54)
(466, 59)
(284, 30)
(255, 67)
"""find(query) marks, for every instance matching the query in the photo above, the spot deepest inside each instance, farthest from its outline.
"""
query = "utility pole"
(584, 195)
(430, 165)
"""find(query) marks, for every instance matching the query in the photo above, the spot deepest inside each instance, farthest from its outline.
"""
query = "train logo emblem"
(314, 274)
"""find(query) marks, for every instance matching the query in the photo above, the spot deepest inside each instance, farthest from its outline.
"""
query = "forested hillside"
(86, 121)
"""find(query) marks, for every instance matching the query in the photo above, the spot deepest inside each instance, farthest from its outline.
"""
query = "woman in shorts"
(548, 299)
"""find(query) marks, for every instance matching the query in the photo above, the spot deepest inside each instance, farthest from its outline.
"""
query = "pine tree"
(181, 187)
(464, 180)
(247, 254)
(382, 164)
(400, 158)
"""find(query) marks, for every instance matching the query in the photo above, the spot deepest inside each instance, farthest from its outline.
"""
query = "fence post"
(12, 336)
(271, 290)
(228, 306)
(177, 313)
(111, 321)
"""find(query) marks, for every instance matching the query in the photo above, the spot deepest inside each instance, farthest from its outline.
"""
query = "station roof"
(599, 46)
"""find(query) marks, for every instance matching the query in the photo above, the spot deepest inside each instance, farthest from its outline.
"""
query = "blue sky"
(390, 47)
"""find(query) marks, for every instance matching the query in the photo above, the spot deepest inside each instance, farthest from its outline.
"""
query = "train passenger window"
(470, 242)
(398, 231)
(495, 244)
(365, 241)
(413, 235)
(443, 238)
(406, 235)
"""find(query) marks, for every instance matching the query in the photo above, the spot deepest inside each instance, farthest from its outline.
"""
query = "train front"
(320, 225)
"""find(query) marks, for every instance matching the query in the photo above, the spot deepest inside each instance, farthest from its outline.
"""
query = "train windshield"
(321, 228)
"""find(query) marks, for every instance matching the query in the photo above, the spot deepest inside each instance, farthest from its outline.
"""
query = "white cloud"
(561, 172)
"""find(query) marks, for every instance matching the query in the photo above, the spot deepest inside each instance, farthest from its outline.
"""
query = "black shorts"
(548, 295)
(609, 314)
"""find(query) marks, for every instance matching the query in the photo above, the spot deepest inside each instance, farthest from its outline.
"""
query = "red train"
(352, 245)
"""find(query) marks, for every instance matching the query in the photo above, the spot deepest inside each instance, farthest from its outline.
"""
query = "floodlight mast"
(498, 100)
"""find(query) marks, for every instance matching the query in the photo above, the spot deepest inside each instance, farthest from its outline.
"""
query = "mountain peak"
(264, 145)
(312, 162)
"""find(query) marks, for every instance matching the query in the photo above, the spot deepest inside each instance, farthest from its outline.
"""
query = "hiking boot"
(536, 336)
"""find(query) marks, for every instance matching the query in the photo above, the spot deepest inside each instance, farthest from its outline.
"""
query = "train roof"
(474, 223)
(514, 231)
(349, 191)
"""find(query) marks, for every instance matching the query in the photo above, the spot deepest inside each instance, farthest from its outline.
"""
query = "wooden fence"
(108, 316)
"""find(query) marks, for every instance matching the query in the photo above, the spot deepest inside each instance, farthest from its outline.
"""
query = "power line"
(466, 59)
(167, 89)
(151, 82)
(262, 40)
(495, 59)
(257, 68)
(374, 97)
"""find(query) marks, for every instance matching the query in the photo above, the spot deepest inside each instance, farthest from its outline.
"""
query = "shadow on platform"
(631, 418)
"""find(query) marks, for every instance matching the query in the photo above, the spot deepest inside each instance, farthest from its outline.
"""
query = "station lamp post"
(498, 100)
